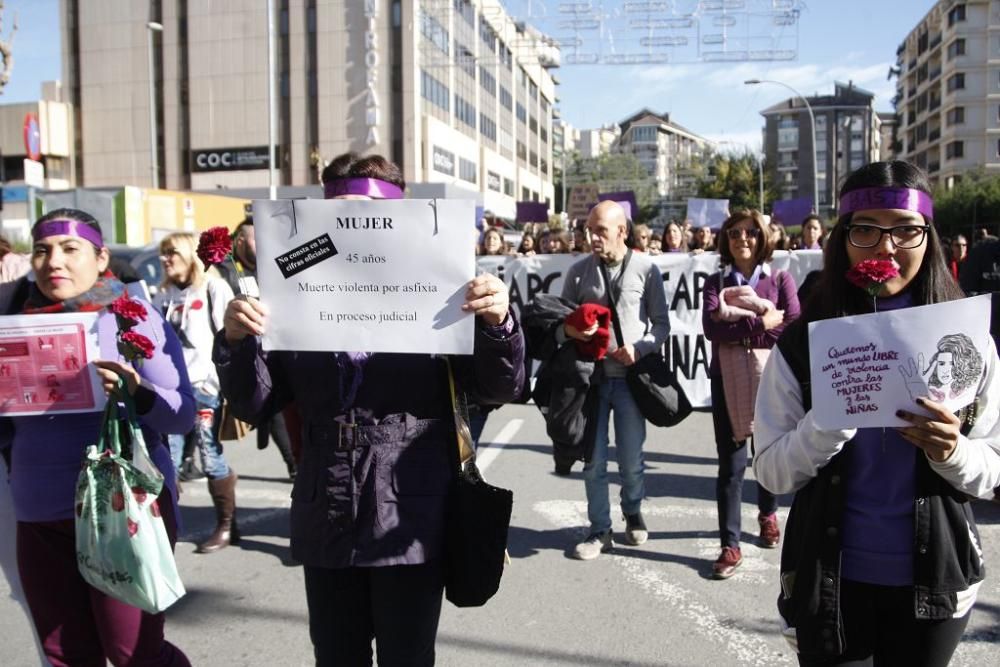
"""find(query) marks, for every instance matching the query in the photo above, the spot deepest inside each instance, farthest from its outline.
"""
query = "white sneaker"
(594, 546)
(635, 529)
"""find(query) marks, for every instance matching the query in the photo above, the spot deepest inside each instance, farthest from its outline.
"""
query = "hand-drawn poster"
(45, 364)
(866, 367)
(373, 276)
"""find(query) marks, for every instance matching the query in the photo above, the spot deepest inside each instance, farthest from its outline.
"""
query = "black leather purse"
(476, 524)
(660, 398)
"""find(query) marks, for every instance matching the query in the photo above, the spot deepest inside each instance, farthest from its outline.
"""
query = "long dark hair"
(834, 296)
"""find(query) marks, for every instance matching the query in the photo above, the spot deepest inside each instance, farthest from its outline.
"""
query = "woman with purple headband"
(881, 559)
(77, 624)
(379, 454)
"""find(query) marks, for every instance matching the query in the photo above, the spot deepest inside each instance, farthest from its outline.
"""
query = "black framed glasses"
(903, 236)
(736, 234)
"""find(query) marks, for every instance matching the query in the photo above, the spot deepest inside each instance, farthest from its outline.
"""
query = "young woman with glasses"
(881, 558)
(768, 302)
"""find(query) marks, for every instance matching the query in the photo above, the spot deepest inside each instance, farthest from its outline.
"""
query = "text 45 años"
(354, 258)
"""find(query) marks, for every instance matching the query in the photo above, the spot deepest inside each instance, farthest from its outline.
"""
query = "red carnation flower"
(197, 304)
(133, 528)
(214, 246)
(135, 346)
(139, 493)
(871, 274)
(129, 310)
(117, 501)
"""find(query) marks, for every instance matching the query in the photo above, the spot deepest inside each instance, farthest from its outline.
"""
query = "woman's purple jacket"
(778, 288)
(372, 494)
(47, 450)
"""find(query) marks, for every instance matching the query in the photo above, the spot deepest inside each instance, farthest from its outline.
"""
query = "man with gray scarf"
(644, 318)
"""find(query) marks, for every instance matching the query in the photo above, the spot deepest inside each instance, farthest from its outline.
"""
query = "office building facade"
(454, 91)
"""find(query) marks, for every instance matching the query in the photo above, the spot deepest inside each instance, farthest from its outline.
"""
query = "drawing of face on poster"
(955, 368)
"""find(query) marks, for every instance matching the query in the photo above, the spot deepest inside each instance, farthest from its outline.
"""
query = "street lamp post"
(812, 124)
(272, 116)
(154, 165)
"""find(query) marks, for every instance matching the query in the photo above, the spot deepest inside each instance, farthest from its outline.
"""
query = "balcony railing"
(934, 135)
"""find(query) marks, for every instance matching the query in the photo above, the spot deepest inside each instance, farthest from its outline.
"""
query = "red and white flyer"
(45, 364)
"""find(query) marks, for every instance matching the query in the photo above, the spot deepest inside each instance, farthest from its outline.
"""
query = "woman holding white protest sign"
(881, 560)
(379, 454)
(77, 623)
(747, 306)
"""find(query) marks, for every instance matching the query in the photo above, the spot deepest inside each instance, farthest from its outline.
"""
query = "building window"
(522, 113)
(465, 59)
(998, 147)
(465, 112)
(487, 127)
(533, 125)
(955, 116)
(434, 32)
(533, 159)
(956, 14)
(544, 166)
(506, 141)
(493, 181)
(522, 150)
(487, 35)
(506, 57)
(956, 48)
(955, 149)
(487, 81)
(956, 81)
(467, 170)
(506, 99)
(434, 91)
(644, 134)
(532, 90)
(788, 137)
(544, 134)
(525, 194)
(508, 187)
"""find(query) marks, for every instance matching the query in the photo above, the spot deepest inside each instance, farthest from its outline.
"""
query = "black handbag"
(476, 523)
(654, 387)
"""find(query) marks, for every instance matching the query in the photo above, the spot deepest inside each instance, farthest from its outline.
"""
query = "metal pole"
(760, 175)
(154, 158)
(272, 121)
(812, 124)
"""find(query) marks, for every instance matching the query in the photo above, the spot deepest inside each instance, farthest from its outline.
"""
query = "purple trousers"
(78, 625)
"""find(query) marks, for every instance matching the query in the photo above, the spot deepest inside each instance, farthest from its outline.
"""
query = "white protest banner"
(360, 275)
(684, 276)
(45, 364)
(866, 367)
(707, 212)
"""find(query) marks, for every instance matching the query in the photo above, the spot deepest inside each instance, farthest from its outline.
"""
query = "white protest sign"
(45, 364)
(360, 275)
(707, 212)
(866, 367)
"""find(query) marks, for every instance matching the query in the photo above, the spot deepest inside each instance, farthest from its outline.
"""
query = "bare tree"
(6, 46)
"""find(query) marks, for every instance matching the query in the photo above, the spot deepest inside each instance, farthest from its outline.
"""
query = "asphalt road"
(643, 606)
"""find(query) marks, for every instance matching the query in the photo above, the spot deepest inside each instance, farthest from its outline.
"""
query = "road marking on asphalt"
(488, 453)
(277, 504)
(747, 648)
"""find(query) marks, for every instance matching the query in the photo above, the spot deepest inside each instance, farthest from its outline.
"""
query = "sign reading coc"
(229, 159)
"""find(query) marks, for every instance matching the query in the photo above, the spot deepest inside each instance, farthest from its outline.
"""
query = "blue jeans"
(630, 433)
(206, 435)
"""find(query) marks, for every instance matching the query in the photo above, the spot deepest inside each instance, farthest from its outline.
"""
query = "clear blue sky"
(839, 40)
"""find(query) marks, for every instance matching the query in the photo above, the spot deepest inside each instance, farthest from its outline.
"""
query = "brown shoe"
(770, 534)
(726, 565)
(223, 492)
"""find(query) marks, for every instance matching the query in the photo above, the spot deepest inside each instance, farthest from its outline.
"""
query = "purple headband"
(369, 187)
(62, 227)
(906, 199)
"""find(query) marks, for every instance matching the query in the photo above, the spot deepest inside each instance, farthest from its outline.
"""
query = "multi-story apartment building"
(847, 137)
(948, 90)
(454, 91)
(667, 150)
(889, 129)
(598, 141)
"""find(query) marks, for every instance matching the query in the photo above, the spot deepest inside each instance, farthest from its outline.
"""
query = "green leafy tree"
(736, 178)
(615, 172)
(972, 203)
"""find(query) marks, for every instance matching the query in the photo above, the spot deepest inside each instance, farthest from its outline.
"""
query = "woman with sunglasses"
(881, 559)
(745, 249)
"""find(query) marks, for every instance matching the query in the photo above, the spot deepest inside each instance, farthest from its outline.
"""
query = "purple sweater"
(47, 450)
(877, 529)
(779, 289)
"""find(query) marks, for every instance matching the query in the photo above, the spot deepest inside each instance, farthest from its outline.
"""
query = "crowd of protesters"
(372, 554)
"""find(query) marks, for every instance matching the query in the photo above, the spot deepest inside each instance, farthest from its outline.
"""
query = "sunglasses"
(736, 234)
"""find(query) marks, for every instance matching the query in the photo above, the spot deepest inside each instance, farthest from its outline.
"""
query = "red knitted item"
(582, 319)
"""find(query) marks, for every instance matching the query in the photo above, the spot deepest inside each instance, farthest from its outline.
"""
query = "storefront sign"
(444, 161)
(229, 159)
